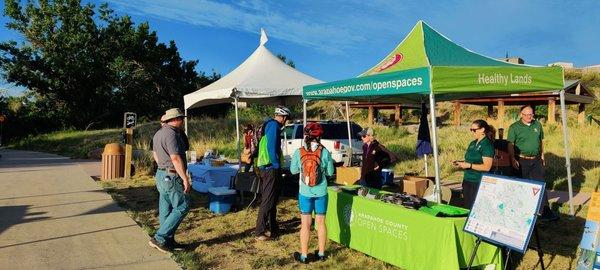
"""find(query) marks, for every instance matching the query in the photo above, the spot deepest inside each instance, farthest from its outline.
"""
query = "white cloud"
(249, 16)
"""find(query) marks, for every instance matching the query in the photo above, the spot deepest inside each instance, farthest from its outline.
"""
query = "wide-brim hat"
(366, 131)
(172, 113)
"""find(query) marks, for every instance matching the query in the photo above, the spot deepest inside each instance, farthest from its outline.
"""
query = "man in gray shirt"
(172, 182)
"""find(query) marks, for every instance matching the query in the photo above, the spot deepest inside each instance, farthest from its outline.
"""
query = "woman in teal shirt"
(312, 198)
(478, 159)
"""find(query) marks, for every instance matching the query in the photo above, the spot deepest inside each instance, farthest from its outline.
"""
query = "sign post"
(129, 122)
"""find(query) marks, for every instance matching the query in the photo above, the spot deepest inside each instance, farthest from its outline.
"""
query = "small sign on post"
(129, 122)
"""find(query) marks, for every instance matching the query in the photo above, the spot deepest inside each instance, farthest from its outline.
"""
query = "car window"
(339, 131)
(355, 130)
(288, 132)
(299, 134)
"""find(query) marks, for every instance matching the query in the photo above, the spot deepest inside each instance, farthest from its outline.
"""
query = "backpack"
(311, 165)
(258, 134)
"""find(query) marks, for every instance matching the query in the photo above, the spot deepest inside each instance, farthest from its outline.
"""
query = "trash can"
(113, 162)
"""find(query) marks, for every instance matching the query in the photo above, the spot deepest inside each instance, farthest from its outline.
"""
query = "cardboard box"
(415, 185)
(347, 175)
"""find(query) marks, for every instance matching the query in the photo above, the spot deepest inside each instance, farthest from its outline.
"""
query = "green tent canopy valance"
(426, 61)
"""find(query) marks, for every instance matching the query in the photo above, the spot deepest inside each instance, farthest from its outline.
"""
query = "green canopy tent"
(428, 67)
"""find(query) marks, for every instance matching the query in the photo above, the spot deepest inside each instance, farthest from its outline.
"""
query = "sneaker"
(262, 238)
(162, 248)
(297, 257)
(320, 258)
(177, 246)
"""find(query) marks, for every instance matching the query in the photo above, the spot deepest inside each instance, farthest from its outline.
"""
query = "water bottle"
(193, 157)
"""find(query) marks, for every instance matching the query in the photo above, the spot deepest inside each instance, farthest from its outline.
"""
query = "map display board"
(504, 211)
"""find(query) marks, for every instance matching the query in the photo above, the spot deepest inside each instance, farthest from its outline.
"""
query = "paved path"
(54, 216)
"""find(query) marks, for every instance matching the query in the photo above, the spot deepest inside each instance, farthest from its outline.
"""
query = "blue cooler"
(221, 199)
(387, 176)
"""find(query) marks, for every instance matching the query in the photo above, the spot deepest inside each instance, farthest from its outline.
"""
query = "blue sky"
(334, 40)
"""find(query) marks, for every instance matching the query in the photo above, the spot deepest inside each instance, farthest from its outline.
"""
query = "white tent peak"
(263, 37)
(261, 78)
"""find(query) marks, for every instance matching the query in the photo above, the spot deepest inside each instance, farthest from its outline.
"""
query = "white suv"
(334, 138)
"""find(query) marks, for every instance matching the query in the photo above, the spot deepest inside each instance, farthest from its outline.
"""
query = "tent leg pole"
(237, 132)
(563, 109)
(304, 112)
(436, 163)
(426, 166)
(349, 134)
(186, 122)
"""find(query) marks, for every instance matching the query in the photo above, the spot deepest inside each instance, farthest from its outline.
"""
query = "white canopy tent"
(262, 78)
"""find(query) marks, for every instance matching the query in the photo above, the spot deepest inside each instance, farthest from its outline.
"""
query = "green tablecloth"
(403, 237)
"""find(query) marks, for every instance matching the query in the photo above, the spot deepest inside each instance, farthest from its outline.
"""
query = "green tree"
(288, 62)
(84, 65)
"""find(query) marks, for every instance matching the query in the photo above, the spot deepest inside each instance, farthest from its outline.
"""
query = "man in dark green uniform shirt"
(526, 150)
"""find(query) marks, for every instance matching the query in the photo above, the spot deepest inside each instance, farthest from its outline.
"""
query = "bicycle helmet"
(313, 129)
(281, 110)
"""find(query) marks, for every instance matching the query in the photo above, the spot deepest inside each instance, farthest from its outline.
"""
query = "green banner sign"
(387, 84)
(448, 80)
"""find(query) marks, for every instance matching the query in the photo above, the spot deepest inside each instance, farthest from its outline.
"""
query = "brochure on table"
(505, 211)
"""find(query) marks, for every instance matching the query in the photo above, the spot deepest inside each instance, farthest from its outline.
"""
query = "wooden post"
(490, 111)
(581, 115)
(500, 121)
(456, 113)
(370, 115)
(551, 111)
(398, 115)
(128, 152)
(129, 121)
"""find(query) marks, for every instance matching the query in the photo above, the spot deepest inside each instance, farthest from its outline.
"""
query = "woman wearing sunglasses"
(478, 159)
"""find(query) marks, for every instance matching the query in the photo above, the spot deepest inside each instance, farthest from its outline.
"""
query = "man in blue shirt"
(269, 164)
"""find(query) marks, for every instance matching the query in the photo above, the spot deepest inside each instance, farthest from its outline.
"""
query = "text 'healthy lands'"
(505, 79)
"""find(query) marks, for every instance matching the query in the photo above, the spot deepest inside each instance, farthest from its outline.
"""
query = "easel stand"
(507, 263)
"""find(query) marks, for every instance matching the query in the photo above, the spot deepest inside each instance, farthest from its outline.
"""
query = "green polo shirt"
(526, 138)
(475, 153)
